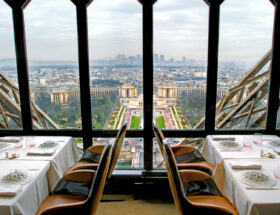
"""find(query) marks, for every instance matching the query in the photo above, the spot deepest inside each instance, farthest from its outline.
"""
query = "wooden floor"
(135, 207)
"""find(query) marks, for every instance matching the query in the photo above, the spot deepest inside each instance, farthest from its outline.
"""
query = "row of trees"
(69, 115)
(193, 107)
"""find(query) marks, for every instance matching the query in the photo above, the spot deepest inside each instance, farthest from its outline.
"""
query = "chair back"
(116, 148)
(173, 178)
(99, 180)
(159, 137)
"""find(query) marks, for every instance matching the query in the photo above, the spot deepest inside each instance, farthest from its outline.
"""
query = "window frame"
(87, 133)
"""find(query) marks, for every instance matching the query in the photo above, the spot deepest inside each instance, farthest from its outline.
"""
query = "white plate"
(256, 178)
(47, 145)
(27, 176)
(273, 144)
(229, 145)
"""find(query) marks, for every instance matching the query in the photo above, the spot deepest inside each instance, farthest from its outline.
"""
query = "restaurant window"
(180, 63)
(131, 155)
(52, 62)
(244, 64)
(10, 110)
(116, 73)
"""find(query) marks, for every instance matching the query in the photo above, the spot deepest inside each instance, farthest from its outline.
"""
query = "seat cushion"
(200, 165)
(212, 202)
(60, 201)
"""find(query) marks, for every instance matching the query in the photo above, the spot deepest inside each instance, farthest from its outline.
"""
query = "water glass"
(247, 141)
(257, 139)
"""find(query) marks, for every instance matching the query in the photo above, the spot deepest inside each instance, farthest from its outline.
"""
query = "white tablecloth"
(247, 201)
(215, 155)
(65, 156)
(27, 201)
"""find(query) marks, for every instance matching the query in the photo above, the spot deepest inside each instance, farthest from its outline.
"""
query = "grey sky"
(115, 27)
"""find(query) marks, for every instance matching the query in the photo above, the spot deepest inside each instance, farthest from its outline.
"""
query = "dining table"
(23, 197)
(214, 153)
(246, 173)
(41, 161)
(249, 197)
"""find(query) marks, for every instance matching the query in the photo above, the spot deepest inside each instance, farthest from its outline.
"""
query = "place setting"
(273, 144)
(251, 174)
(12, 181)
(7, 143)
(229, 145)
(258, 180)
(4, 146)
(46, 148)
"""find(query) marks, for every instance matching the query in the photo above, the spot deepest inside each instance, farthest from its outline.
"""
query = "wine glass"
(257, 138)
(247, 141)
(18, 145)
(29, 142)
(277, 171)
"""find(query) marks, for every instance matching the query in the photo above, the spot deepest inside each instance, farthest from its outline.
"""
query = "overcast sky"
(115, 27)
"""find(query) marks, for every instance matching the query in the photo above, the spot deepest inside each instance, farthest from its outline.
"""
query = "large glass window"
(53, 68)
(116, 72)
(10, 111)
(131, 155)
(244, 64)
(180, 60)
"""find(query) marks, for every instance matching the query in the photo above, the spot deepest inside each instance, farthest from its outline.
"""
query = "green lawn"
(123, 165)
(160, 122)
(135, 122)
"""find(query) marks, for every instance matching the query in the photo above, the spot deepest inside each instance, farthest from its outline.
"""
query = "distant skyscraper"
(155, 58)
(121, 58)
(184, 59)
(131, 59)
(139, 59)
(161, 58)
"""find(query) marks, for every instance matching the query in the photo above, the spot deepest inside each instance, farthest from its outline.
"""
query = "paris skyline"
(180, 29)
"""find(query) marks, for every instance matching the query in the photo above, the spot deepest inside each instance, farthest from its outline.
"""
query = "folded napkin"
(262, 188)
(9, 190)
(223, 138)
(10, 139)
(36, 152)
(245, 165)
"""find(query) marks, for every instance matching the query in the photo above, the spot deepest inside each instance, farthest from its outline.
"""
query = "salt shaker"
(7, 154)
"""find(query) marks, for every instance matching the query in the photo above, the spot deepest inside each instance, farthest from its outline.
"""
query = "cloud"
(115, 26)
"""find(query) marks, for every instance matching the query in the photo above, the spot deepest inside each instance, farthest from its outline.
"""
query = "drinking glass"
(247, 141)
(257, 139)
(18, 145)
(277, 171)
(29, 142)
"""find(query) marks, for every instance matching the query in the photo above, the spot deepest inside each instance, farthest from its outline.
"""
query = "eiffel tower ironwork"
(10, 111)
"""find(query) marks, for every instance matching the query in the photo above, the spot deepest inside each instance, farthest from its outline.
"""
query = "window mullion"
(275, 68)
(148, 81)
(22, 62)
(82, 30)
(212, 61)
